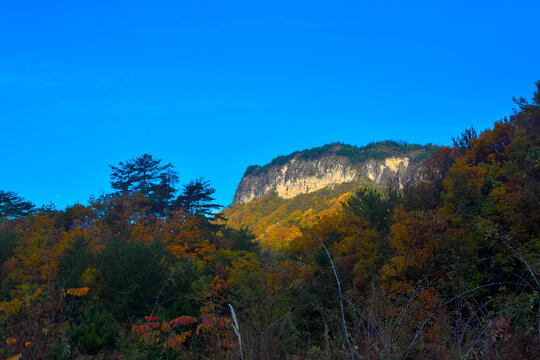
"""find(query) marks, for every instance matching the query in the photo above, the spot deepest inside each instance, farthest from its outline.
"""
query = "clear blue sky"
(215, 86)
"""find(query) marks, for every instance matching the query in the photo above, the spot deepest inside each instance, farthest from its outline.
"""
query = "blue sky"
(215, 86)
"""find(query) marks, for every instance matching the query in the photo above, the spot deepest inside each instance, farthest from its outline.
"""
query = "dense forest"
(448, 268)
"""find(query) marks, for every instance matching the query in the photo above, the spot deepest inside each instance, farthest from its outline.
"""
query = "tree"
(242, 239)
(147, 176)
(74, 261)
(463, 142)
(196, 198)
(371, 205)
(12, 205)
(131, 274)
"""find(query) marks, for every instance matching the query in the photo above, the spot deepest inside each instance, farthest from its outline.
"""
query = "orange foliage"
(415, 237)
(176, 341)
(10, 307)
(183, 237)
(78, 291)
(35, 256)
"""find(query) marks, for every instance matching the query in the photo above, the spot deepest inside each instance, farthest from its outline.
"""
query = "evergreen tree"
(196, 198)
(147, 176)
(463, 142)
(12, 205)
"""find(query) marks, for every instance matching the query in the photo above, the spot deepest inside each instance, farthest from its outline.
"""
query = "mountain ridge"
(389, 163)
(276, 200)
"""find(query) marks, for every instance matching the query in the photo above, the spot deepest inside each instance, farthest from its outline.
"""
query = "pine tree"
(145, 175)
(196, 198)
(12, 205)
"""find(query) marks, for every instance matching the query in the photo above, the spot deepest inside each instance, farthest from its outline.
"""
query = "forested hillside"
(448, 268)
(276, 221)
(275, 200)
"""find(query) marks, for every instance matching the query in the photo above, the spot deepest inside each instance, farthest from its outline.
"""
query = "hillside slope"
(277, 199)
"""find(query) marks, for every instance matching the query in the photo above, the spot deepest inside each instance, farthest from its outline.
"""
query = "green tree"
(371, 205)
(73, 262)
(463, 142)
(12, 205)
(94, 331)
(242, 239)
(147, 176)
(131, 274)
(196, 198)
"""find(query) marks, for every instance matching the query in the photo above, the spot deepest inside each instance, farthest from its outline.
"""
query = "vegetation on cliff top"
(374, 150)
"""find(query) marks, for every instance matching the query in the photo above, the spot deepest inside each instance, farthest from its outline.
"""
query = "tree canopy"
(12, 205)
(196, 198)
(145, 175)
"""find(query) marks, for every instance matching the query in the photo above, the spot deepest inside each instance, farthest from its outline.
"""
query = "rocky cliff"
(385, 163)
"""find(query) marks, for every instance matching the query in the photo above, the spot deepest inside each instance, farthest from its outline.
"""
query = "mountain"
(276, 199)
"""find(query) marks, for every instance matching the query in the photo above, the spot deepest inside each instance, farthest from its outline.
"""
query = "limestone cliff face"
(394, 171)
(301, 175)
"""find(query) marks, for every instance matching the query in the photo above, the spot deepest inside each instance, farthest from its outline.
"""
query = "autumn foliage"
(447, 268)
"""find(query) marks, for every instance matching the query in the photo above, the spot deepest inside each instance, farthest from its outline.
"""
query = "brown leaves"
(501, 330)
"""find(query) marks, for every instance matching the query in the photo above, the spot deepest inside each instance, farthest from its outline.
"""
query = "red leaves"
(140, 329)
(155, 330)
(166, 333)
(211, 323)
(183, 320)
